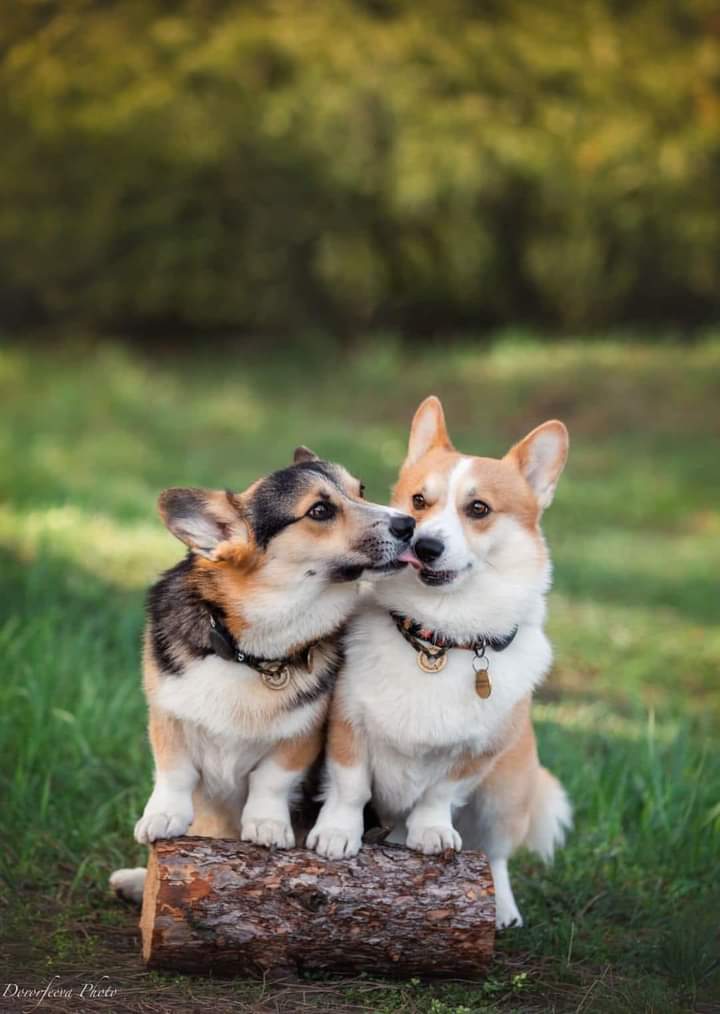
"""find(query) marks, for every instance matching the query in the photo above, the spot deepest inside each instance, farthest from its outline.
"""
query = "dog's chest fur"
(229, 700)
(418, 724)
(230, 719)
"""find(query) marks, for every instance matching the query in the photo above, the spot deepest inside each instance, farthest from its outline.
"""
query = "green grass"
(624, 921)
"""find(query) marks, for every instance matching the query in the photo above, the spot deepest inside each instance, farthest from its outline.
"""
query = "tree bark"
(222, 906)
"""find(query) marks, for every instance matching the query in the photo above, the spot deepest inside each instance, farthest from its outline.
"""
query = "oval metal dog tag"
(278, 679)
(483, 686)
(431, 663)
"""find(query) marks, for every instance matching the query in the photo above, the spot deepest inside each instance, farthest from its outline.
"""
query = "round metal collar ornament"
(276, 677)
(429, 662)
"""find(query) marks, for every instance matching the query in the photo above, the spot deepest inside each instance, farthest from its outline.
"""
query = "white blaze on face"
(447, 524)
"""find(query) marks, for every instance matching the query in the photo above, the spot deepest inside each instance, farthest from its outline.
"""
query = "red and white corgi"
(242, 646)
(431, 712)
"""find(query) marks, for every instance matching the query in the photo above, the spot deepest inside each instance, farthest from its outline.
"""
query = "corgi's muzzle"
(424, 553)
(380, 549)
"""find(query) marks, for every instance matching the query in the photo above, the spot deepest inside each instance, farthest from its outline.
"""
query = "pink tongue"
(407, 556)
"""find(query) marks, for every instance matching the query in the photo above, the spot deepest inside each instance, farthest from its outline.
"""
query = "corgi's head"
(305, 523)
(477, 550)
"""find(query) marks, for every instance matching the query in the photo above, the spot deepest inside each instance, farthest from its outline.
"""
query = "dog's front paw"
(156, 824)
(431, 840)
(271, 833)
(167, 815)
(335, 842)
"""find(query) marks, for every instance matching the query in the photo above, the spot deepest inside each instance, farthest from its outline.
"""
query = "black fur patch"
(184, 503)
(272, 506)
(177, 619)
(346, 572)
(180, 633)
(327, 678)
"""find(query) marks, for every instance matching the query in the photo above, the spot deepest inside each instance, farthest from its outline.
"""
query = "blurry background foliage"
(414, 164)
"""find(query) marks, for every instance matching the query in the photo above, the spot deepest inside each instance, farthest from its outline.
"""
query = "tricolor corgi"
(431, 712)
(243, 644)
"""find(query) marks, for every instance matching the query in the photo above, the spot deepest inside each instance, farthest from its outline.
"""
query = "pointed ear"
(303, 453)
(541, 457)
(203, 518)
(427, 430)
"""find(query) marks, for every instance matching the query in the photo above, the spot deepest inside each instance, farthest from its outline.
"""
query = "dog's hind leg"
(129, 884)
(503, 810)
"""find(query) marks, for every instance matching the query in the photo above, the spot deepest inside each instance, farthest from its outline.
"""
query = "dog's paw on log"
(223, 906)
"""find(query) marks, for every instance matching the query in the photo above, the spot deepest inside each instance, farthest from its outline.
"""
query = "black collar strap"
(413, 631)
(274, 672)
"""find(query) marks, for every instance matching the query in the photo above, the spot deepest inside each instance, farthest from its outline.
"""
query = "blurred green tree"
(275, 164)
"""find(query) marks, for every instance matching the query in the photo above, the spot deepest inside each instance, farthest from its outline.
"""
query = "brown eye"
(419, 502)
(362, 490)
(321, 511)
(479, 509)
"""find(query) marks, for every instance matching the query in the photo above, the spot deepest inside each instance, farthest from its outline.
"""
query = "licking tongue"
(407, 556)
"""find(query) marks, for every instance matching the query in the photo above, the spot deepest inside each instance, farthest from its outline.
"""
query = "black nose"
(428, 549)
(402, 526)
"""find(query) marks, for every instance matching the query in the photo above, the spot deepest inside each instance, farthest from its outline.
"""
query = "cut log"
(222, 906)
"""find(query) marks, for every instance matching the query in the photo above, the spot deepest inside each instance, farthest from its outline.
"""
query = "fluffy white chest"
(417, 723)
(223, 762)
(229, 700)
(230, 720)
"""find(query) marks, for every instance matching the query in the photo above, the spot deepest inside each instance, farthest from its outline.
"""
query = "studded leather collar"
(413, 630)
(432, 647)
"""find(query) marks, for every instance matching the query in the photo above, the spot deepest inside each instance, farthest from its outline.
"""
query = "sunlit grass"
(117, 553)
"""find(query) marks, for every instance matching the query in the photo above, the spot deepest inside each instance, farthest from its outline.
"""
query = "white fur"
(220, 698)
(221, 716)
(338, 831)
(266, 816)
(404, 710)
(446, 524)
(129, 883)
(506, 911)
(284, 611)
(169, 810)
(550, 817)
(546, 457)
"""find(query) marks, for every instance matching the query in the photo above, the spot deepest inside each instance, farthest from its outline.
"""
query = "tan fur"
(299, 753)
(428, 431)
(343, 742)
(510, 785)
(512, 731)
(498, 482)
(414, 478)
(520, 454)
(150, 669)
(166, 738)
(233, 574)
(168, 744)
(212, 820)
